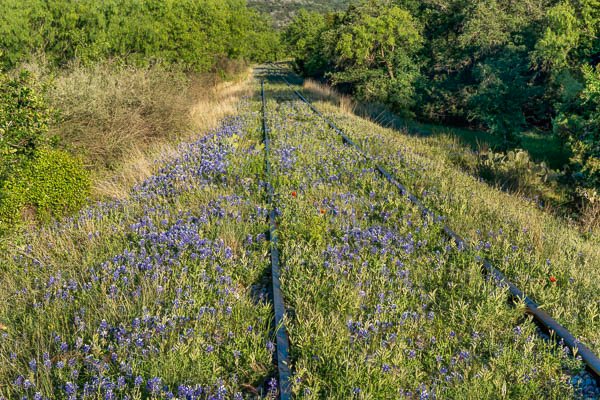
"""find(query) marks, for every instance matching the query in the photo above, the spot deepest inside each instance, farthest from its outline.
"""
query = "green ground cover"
(164, 295)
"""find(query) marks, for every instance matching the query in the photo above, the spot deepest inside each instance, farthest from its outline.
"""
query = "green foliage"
(498, 99)
(194, 33)
(453, 60)
(17, 37)
(579, 124)
(303, 36)
(52, 184)
(47, 183)
(561, 36)
(499, 66)
(374, 49)
(24, 120)
(565, 50)
(478, 62)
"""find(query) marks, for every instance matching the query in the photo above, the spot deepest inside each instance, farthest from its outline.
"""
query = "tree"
(303, 37)
(566, 52)
(197, 34)
(375, 49)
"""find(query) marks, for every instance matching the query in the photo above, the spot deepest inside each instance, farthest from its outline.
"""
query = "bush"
(515, 171)
(107, 110)
(52, 184)
(24, 118)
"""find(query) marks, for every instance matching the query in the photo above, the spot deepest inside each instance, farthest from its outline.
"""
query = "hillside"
(166, 293)
(283, 10)
(299, 199)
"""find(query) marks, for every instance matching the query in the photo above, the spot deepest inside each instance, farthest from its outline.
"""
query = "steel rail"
(542, 317)
(283, 344)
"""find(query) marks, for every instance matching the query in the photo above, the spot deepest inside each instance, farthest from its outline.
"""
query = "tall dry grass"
(377, 113)
(120, 119)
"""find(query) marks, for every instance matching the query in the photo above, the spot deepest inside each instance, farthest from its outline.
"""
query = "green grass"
(382, 304)
(542, 146)
(142, 296)
(528, 243)
(166, 291)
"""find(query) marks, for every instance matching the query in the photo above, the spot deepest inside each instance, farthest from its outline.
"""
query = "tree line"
(198, 34)
(502, 66)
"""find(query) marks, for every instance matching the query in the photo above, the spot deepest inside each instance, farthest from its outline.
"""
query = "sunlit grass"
(383, 306)
(165, 293)
(528, 243)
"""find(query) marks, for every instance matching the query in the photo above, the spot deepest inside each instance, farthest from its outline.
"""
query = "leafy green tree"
(375, 49)
(561, 36)
(17, 36)
(197, 34)
(303, 38)
(565, 51)
(479, 65)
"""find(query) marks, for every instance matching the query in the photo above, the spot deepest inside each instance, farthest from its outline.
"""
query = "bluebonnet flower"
(70, 388)
(154, 385)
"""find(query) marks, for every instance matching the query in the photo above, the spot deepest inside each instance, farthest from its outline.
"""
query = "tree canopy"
(502, 66)
(194, 33)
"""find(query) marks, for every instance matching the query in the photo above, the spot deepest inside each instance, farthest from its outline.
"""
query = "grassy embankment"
(158, 291)
(529, 243)
(381, 304)
(532, 171)
(163, 290)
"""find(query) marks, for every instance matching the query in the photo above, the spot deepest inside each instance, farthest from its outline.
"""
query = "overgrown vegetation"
(199, 35)
(504, 67)
(107, 84)
(36, 182)
(164, 295)
(161, 289)
(151, 297)
(384, 305)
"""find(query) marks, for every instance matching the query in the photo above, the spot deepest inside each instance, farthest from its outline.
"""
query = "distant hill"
(283, 10)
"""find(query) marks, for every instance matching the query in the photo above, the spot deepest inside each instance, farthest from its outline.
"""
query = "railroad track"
(544, 320)
(282, 341)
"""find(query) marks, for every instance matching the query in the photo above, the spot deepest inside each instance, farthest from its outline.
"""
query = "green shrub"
(579, 125)
(53, 184)
(24, 118)
(515, 171)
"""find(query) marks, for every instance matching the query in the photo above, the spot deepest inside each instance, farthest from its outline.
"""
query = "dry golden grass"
(214, 101)
(374, 112)
(120, 120)
(327, 93)
(211, 101)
